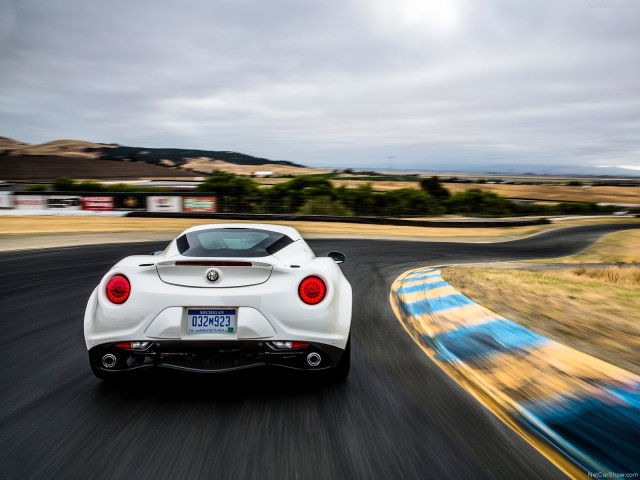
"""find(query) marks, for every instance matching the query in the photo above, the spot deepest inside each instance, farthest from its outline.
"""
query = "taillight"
(133, 345)
(118, 289)
(312, 290)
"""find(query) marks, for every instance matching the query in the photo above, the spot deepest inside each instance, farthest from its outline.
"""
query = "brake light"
(312, 290)
(118, 289)
(283, 344)
(133, 345)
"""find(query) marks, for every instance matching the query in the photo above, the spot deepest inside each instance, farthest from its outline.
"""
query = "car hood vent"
(213, 273)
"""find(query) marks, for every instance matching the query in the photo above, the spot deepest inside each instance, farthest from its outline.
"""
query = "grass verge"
(594, 308)
(14, 224)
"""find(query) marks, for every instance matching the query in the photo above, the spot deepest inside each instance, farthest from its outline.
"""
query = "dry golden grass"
(595, 310)
(209, 165)
(558, 193)
(550, 193)
(68, 148)
(19, 225)
(12, 225)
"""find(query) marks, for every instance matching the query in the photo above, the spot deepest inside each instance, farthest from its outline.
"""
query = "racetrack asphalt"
(397, 415)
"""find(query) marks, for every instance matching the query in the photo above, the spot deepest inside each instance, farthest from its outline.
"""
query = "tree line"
(316, 195)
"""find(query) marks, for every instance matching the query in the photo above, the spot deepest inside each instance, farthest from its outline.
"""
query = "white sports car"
(219, 298)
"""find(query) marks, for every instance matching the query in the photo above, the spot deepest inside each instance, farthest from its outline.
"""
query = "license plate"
(218, 320)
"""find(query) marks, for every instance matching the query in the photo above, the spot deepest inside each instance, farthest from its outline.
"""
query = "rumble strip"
(580, 412)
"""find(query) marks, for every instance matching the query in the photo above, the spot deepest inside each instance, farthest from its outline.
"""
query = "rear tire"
(341, 370)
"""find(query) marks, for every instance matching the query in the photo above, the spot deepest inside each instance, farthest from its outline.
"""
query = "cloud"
(329, 83)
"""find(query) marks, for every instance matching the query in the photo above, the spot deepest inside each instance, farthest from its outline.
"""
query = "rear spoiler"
(214, 262)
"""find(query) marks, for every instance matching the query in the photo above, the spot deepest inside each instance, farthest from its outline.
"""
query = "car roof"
(290, 232)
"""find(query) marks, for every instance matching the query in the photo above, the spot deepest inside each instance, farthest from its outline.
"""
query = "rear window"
(231, 242)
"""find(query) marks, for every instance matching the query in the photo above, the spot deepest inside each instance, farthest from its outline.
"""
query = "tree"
(434, 188)
(64, 184)
(323, 205)
(479, 202)
(360, 200)
(234, 193)
(290, 196)
(407, 201)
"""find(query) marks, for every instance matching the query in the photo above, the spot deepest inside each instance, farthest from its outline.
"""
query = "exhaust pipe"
(109, 360)
(314, 359)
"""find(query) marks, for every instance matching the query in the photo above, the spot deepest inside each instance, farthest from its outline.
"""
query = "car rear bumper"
(211, 357)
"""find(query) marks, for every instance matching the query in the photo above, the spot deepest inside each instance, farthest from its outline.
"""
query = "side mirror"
(337, 257)
(157, 252)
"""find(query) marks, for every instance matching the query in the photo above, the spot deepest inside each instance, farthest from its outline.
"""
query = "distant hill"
(558, 170)
(80, 159)
(64, 148)
(179, 157)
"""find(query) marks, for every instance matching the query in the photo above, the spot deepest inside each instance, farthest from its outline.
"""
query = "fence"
(135, 202)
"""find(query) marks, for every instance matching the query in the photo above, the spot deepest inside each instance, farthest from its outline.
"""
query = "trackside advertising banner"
(98, 204)
(6, 199)
(64, 202)
(131, 202)
(164, 204)
(200, 204)
(29, 202)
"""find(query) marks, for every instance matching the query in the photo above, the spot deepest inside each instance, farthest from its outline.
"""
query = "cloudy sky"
(358, 83)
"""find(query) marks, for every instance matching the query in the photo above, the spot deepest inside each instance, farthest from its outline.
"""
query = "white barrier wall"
(131, 202)
(164, 204)
(6, 199)
(66, 202)
(29, 202)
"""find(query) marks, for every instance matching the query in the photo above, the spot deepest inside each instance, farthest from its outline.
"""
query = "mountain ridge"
(170, 156)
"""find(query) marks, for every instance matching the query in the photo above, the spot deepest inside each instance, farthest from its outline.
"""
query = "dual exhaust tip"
(314, 359)
(109, 360)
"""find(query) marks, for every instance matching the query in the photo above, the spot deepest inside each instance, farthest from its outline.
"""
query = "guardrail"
(467, 222)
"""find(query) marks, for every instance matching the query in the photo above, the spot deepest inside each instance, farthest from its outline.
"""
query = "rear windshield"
(231, 242)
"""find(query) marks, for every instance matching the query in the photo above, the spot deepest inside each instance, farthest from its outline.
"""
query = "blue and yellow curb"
(579, 411)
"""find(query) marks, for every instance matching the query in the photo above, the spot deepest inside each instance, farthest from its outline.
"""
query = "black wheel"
(341, 370)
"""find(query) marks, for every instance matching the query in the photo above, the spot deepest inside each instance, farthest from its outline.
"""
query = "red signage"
(99, 204)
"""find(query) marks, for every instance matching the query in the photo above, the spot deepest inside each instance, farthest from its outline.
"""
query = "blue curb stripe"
(421, 274)
(605, 430)
(423, 277)
(497, 337)
(438, 304)
(597, 428)
(422, 287)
